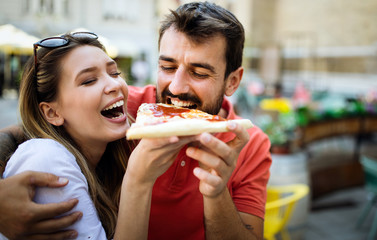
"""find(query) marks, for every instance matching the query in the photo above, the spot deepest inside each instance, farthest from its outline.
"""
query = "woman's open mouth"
(114, 111)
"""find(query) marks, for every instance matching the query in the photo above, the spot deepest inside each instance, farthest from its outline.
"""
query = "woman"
(73, 109)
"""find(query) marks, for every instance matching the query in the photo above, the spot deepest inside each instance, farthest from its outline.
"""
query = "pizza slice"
(164, 120)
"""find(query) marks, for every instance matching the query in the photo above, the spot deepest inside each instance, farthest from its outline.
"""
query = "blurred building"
(131, 27)
(328, 45)
(128, 27)
(129, 24)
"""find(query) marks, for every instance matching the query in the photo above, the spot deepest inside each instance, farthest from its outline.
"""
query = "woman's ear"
(233, 81)
(49, 111)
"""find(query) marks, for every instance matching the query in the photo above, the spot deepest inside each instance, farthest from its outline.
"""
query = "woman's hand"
(152, 157)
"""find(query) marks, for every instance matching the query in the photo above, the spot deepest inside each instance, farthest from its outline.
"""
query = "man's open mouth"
(114, 111)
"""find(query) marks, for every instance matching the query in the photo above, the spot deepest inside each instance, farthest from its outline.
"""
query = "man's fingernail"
(73, 235)
(206, 137)
(232, 125)
(197, 171)
(73, 201)
(79, 215)
(62, 180)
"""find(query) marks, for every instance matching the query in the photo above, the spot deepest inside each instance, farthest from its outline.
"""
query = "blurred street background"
(310, 83)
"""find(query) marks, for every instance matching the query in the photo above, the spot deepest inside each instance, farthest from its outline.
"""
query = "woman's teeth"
(114, 105)
(114, 111)
(119, 115)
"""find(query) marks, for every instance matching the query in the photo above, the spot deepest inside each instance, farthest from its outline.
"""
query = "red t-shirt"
(177, 204)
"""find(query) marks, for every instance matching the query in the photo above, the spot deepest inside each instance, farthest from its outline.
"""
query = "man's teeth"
(181, 103)
(114, 105)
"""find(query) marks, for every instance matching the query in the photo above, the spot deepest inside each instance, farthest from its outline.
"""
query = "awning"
(126, 47)
(16, 41)
(111, 49)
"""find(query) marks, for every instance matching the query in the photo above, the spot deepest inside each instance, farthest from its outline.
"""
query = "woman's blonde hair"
(42, 86)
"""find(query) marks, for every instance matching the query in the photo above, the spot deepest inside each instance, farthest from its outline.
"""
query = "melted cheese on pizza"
(150, 114)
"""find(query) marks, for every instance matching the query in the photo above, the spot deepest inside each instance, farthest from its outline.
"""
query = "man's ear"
(233, 81)
(49, 111)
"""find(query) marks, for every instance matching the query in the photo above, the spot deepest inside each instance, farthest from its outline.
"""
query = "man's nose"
(180, 82)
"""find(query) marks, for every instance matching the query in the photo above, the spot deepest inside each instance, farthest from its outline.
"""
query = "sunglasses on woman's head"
(55, 42)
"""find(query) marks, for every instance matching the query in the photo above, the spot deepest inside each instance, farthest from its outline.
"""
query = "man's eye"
(167, 69)
(199, 75)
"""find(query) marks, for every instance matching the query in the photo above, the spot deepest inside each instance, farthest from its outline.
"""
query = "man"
(200, 58)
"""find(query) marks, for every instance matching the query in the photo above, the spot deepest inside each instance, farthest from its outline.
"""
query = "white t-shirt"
(46, 155)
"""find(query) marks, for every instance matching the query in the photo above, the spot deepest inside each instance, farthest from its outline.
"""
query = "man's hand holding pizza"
(21, 218)
(217, 159)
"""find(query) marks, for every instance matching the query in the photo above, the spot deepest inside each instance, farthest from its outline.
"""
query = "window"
(65, 8)
(127, 10)
(46, 7)
(25, 7)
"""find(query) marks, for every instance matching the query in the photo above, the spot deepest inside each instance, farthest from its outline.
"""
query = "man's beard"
(213, 109)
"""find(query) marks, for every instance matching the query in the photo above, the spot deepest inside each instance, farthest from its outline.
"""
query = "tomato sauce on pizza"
(164, 111)
(163, 120)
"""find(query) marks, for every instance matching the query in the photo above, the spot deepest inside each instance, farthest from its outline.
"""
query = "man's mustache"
(182, 97)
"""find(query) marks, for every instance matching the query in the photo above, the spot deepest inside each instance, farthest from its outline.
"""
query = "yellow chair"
(281, 201)
(370, 171)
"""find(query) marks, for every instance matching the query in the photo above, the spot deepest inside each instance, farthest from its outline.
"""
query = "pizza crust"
(182, 127)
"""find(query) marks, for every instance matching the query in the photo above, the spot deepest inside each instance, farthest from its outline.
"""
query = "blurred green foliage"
(325, 107)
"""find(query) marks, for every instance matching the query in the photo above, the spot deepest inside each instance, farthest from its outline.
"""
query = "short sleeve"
(249, 179)
(46, 155)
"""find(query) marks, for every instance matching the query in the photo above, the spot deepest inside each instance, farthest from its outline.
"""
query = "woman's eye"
(87, 82)
(115, 74)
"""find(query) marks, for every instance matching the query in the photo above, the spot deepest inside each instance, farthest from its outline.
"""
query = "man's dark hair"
(203, 20)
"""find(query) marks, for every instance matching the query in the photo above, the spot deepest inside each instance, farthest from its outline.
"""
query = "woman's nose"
(112, 85)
